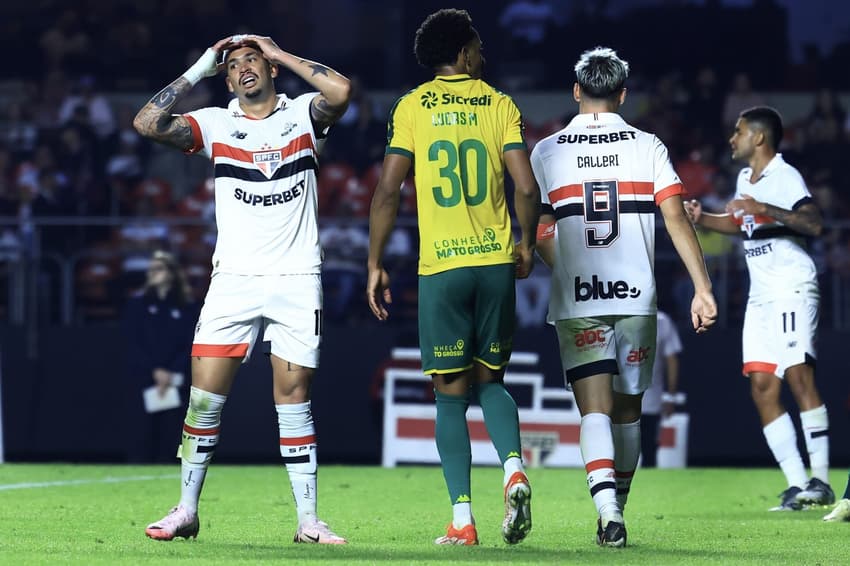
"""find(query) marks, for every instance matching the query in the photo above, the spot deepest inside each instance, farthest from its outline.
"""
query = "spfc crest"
(748, 224)
(268, 161)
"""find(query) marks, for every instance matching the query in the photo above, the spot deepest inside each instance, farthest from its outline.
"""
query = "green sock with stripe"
(452, 437)
(501, 419)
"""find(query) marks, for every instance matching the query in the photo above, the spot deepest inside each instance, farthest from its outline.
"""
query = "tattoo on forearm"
(325, 114)
(156, 121)
(805, 220)
(317, 68)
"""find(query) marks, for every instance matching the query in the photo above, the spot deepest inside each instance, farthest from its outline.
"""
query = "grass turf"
(85, 514)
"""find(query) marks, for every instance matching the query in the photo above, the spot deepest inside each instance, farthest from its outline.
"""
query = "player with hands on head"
(601, 180)
(267, 260)
(773, 211)
(460, 134)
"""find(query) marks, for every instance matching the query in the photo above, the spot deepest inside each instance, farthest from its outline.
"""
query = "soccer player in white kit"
(773, 212)
(267, 260)
(601, 180)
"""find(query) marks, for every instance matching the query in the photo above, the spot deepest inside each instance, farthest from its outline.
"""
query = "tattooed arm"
(335, 89)
(806, 219)
(155, 120)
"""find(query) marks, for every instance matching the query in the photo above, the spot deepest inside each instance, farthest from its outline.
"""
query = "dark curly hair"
(441, 37)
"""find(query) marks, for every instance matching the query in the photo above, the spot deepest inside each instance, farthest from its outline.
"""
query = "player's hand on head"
(266, 44)
(378, 292)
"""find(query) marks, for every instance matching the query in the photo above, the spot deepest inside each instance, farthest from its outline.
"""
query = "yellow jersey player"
(461, 134)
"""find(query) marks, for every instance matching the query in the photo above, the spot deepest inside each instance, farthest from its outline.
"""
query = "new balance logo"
(239, 135)
(604, 290)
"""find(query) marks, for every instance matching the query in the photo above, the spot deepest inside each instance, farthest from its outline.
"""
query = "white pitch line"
(30, 485)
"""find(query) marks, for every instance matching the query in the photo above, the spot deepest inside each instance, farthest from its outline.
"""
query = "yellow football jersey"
(458, 129)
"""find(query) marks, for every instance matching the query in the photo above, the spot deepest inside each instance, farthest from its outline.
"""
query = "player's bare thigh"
(292, 382)
(214, 375)
(801, 380)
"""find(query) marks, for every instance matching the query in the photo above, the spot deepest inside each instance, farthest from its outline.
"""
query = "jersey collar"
(596, 119)
(774, 164)
(233, 106)
(453, 78)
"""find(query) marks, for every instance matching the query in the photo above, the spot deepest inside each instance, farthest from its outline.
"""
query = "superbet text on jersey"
(265, 187)
(602, 180)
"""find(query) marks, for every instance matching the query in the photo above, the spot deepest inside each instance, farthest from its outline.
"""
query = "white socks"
(298, 449)
(782, 439)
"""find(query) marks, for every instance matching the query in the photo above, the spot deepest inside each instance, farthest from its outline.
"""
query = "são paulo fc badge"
(748, 224)
(268, 161)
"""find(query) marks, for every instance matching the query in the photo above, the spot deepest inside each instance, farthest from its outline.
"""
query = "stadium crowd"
(68, 148)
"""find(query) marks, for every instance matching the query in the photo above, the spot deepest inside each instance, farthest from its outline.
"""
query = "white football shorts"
(288, 308)
(780, 334)
(620, 345)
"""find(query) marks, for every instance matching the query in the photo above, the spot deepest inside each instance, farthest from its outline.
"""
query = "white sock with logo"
(782, 439)
(298, 450)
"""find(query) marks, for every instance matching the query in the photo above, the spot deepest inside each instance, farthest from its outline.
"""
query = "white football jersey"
(602, 179)
(265, 187)
(776, 255)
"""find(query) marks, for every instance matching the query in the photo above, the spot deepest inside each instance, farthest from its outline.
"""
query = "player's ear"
(273, 71)
(229, 84)
(576, 92)
(464, 57)
(622, 96)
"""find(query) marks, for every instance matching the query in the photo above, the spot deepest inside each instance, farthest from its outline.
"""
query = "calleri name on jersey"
(265, 187)
(602, 180)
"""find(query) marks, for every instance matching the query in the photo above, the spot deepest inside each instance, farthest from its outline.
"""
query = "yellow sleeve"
(400, 128)
(513, 137)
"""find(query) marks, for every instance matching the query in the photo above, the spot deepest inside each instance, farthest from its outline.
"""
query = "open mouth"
(248, 80)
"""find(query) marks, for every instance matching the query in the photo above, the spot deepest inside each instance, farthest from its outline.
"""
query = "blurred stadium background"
(84, 200)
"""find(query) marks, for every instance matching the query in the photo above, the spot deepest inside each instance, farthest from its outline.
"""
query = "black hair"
(441, 37)
(768, 120)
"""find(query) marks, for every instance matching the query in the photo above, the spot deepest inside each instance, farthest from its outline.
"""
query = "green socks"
(452, 437)
(501, 419)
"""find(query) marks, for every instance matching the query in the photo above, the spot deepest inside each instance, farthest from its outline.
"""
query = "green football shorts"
(467, 315)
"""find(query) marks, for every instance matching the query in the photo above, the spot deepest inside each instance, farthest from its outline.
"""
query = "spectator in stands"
(659, 400)
(704, 106)
(19, 132)
(343, 269)
(359, 138)
(100, 115)
(740, 97)
(66, 44)
(697, 172)
(158, 328)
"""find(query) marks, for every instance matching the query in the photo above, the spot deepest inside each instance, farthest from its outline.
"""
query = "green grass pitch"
(84, 514)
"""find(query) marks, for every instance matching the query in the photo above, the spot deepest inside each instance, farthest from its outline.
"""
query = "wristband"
(205, 66)
(676, 398)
